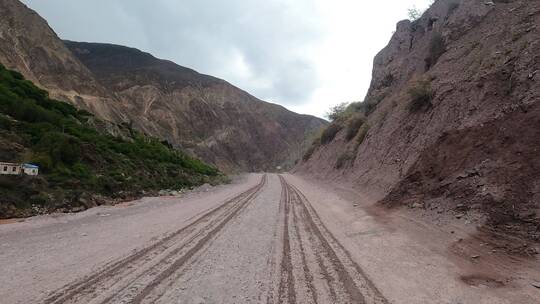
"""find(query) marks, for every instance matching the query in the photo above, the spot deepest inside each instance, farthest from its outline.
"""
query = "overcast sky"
(304, 54)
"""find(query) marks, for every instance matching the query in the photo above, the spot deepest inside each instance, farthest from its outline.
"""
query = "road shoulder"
(411, 260)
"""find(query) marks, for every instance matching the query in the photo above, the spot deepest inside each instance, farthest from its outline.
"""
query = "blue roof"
(30, 166)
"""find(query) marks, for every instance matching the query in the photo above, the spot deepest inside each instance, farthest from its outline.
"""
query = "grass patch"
(361, 136)
(330, 133)
(362, 133)
(353, 125)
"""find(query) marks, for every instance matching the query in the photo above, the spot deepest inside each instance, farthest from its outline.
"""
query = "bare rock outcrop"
(475, 140)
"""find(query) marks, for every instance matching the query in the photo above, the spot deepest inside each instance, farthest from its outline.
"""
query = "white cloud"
(304, 54)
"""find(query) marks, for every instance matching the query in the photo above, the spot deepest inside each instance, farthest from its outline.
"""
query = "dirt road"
(264, 239)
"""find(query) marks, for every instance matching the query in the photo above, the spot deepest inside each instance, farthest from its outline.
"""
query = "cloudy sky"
(304, 54)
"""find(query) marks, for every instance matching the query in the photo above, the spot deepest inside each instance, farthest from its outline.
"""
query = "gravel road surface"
(266, 238)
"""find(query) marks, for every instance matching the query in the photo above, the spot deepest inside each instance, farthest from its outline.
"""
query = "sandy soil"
(263, 239)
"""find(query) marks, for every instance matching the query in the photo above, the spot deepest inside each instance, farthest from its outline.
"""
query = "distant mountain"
(217, 121)
(204, 115)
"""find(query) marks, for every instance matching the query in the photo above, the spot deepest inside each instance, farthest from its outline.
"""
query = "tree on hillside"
(414, 13)
(336, 111)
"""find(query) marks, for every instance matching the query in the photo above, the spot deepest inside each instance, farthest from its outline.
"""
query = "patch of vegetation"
(388, 80)
(337, 112)
(414, 13)
(353, 125)
(344, 111)
(362, 133)
(369, 106)
(421, 95)
(310, 151)
(76, 158)
(437, 47)
(360, 137)
(349, 116)
(330, 133)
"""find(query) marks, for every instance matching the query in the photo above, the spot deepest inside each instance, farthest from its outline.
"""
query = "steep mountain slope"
(81, 164)
(30, 46)
(453, 116)
(204, 115)
(214, 119)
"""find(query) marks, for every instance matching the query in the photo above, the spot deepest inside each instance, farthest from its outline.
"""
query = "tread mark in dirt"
(345, 280)
(286, 285)
(100, 281)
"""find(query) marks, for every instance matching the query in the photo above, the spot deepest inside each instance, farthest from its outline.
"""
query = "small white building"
(30, 169)
(18, 169)
(10, 169)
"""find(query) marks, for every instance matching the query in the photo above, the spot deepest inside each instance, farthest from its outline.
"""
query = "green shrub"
(366, 107)
(16, 75)
(361, 136)
(44, 162)
(337, 112)
(388, 80)
(362, 133)
(5, 123)
(309, 152)
(344, 111)
(61, 148)
(41, 199)
(84, 113)
(414, 13)
(421, 96)
(330, 133)
(81, 170)
(353, 125)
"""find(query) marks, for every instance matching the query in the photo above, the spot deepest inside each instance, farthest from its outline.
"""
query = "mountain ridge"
(204, 115)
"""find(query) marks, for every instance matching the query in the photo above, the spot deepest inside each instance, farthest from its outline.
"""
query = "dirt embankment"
(470, 150)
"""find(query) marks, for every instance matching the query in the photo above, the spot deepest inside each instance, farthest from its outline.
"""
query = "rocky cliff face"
(29, 45)
(207, 116)
(456, 125)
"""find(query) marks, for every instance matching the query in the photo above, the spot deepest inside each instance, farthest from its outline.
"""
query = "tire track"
(286, 292)
(325, 272)
(129, 279)
(161, 279)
